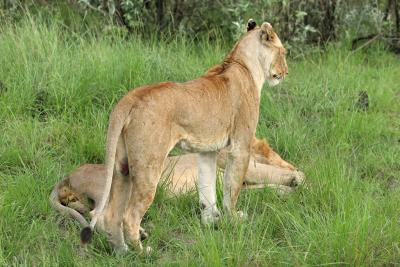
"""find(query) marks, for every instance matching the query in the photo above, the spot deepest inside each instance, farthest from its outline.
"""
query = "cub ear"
(267, 32)
(251, 24)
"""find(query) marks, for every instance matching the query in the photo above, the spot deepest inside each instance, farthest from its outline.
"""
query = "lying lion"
(80, 191)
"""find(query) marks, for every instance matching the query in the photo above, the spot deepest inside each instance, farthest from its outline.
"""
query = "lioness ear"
(251, 24)
(267, 32)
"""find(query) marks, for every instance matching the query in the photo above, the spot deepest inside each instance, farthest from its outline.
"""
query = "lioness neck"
(246, 51)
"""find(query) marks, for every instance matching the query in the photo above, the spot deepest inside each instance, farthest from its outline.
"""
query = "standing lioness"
(217, 110)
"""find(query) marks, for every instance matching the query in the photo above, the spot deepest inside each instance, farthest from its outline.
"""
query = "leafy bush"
(298, 21)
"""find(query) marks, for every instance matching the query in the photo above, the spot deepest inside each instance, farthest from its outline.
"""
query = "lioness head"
(272, 53)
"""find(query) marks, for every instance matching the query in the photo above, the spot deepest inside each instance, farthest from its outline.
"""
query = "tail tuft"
(86, 235)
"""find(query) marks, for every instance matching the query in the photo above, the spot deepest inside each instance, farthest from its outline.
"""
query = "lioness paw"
(210, 216)
(121, 249)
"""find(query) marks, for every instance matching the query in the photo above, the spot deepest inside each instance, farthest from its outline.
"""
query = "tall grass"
(57, 89)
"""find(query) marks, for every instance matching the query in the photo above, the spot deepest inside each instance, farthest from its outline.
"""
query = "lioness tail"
(117, 119)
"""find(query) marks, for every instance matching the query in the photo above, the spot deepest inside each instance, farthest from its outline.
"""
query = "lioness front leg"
(235, 171)
(207, 168)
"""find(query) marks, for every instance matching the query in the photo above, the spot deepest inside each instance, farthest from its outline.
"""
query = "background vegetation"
(298, 21)
(336, 116)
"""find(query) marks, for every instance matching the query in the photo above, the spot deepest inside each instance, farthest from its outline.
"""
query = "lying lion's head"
(272, 53)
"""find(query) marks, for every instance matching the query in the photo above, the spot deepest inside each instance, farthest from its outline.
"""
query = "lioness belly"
(196, 145)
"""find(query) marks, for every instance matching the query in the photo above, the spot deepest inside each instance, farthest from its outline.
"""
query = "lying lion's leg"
(235, 171)
(143, 234)
(119, 195)
(263, 153)
(258, 173)
(143, 191)
(207, 171)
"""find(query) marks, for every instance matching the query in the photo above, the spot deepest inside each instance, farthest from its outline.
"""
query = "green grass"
(59, 87)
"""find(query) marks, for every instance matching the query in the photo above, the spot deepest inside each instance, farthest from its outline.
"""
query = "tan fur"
(71, 195)
(180, 173)
(264, 154)
(217, 110)
(80, 191)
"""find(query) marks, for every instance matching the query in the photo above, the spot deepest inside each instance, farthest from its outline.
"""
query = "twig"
(370, 38)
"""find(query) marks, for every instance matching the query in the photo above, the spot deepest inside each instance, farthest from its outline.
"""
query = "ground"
(57, 90)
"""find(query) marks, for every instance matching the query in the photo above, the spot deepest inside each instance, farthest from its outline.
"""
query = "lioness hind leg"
(113, 214)
(119, 196)
(142, 232)
(143, 192)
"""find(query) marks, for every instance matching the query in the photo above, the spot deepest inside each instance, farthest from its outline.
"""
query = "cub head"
(271, 54)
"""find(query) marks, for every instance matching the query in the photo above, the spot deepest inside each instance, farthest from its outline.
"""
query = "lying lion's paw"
(298, 179)
(241, 216)
(210, 216)
(148, 251)
(143, 234)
